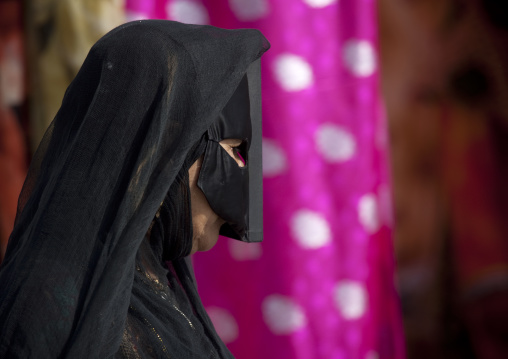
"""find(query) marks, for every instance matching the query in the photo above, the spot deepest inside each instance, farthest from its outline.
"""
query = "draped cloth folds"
(124, 135)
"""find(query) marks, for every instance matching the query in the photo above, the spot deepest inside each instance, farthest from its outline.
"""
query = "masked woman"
(155, 149)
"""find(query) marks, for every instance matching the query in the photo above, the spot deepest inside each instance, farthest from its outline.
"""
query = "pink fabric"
(321, 284)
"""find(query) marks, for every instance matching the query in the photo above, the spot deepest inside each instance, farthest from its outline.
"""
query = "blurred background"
(385, 148)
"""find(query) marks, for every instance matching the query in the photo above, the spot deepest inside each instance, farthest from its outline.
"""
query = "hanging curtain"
(445, 80)
(321, 283)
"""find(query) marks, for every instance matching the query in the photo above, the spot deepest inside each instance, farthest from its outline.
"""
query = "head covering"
(79, 279)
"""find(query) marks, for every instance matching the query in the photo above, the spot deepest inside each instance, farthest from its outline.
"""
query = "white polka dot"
(224, 323)
(359, 57)
(293, 73)
(350, 298)
(283, 315)
(319, 3)
(242, 251)
(372, 355)
(310, 229)
(274, 158)
(189, 12)
(134, 15)
(335, 143)
(368, 213)
(249, 10)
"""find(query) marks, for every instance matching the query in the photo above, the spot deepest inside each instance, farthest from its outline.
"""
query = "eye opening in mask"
(236, 149)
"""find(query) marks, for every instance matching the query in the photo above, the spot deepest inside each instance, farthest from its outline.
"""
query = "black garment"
(235, 193)
(80, 277)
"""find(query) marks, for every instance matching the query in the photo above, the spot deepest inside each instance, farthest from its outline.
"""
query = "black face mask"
(236, 193)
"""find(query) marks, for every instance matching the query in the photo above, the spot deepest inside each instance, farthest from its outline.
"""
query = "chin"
(205, 240)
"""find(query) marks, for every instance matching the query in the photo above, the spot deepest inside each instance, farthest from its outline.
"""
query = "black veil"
(80, 279)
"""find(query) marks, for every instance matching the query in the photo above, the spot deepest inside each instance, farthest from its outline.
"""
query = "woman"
(107, 213)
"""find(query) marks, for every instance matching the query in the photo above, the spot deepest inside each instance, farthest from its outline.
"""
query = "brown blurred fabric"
(13, 160)
(60, 35)
(445, 83)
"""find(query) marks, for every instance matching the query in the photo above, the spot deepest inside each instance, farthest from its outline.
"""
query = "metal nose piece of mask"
(235, 193)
